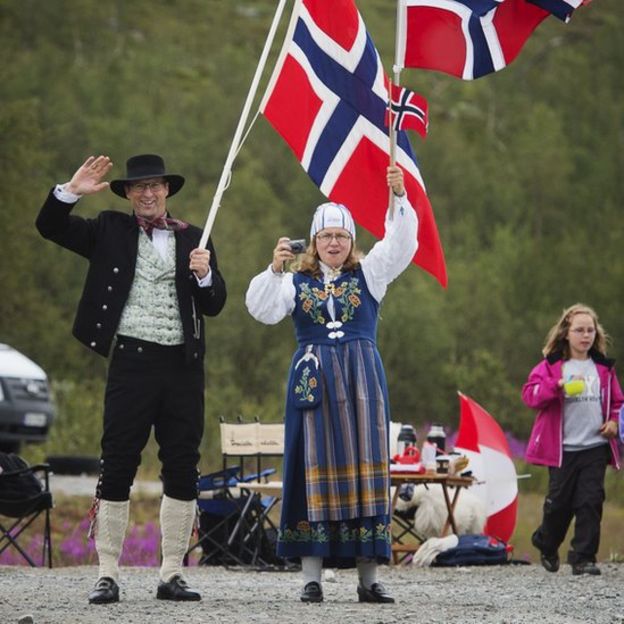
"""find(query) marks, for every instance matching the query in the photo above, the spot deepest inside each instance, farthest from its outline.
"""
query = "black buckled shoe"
(312, 592)
(105, 591)
(376, 593)
(176, 589)
(586, 567)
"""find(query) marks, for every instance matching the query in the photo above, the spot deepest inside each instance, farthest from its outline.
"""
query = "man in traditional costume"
(147, 289)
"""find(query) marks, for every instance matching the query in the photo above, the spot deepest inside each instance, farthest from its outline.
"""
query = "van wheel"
(74, 465)
(10, 447)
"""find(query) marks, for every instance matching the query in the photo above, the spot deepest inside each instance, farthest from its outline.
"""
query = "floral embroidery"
(336, 532)
(304, 532)
(311, 299)
(306, 385)
(383, 532)
(347, 294)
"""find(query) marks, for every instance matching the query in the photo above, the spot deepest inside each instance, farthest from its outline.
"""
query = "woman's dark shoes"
(376, 593)
(312, 592)
(176, 589)
(550, 562)
(105, 591)
(586, 567)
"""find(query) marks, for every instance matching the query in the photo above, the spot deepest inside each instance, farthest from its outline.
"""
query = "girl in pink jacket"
(578, 399)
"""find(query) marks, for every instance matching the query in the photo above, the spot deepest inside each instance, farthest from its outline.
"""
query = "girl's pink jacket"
(542, 392)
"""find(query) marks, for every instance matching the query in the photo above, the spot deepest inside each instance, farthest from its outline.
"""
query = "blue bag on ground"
(475, 550)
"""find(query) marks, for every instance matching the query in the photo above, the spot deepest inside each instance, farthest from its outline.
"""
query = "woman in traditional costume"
(336, 498)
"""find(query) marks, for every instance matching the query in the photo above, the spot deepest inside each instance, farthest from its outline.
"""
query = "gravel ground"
(498, 594)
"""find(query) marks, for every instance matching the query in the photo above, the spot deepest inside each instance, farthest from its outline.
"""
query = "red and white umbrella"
(482, 440)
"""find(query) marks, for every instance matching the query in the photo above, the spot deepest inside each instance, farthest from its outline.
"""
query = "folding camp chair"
(235, 526)
(256, 441)
(219, 513)
(266, 493)
(260, 533)
(251, 441)
(23, 498)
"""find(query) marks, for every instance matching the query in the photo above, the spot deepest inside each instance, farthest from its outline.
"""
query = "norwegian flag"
(410, 111)
(470, 38)
(327, 98)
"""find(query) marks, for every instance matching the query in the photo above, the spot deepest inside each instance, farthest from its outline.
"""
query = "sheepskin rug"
(431, 513)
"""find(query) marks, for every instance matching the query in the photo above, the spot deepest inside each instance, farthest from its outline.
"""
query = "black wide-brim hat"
(146, 166)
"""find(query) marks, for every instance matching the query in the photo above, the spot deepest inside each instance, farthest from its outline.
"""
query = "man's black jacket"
(110, 243)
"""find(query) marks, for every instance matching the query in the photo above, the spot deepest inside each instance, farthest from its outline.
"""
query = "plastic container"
(428, 456)
(437, 436)
(574, 387)
(407, 437)
(442, 466)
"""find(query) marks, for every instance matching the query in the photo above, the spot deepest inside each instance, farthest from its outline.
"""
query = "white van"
(26, 410)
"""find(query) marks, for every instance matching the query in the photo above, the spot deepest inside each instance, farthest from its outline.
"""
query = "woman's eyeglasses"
(325, 237)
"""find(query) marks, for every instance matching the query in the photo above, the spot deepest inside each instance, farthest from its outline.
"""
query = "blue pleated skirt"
(336, 497)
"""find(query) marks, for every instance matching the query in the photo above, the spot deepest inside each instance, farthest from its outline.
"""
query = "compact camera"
(297, 246)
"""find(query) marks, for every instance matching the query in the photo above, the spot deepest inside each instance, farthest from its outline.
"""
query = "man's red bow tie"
(160, 223)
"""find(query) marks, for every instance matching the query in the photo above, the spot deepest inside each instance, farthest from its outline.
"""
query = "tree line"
(524, 170)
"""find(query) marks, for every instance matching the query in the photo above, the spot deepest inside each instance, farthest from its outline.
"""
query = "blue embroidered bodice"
(355, 310)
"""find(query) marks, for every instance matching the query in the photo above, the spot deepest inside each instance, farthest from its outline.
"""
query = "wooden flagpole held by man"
(236, 141)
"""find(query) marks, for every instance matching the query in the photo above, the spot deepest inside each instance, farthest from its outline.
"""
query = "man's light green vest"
(152, 312)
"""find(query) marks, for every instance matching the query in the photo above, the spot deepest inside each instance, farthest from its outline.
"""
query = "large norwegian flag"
(470, 38)
(327, 98)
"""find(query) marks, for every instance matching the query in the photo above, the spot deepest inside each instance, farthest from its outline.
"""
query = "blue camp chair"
(234, 527)
(218, 513)
(234, 523)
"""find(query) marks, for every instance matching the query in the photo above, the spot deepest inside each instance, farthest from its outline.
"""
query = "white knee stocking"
(311, 568)
(367, 571)
(111, 524)
(176, 525)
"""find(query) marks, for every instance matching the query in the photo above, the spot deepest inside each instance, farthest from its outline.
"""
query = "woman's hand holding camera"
(281, 254)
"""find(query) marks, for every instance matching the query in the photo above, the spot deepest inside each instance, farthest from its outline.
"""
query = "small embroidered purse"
(306, 387)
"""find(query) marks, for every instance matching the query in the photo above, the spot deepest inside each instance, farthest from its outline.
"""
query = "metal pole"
(396, 76)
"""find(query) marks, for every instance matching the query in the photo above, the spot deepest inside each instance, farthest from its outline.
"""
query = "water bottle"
(437, 436)
(407, 437)
(428, 456)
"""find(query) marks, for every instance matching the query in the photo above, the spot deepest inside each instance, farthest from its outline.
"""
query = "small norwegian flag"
(410, 111)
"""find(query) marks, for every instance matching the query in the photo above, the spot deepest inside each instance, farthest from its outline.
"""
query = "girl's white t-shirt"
(582, 413)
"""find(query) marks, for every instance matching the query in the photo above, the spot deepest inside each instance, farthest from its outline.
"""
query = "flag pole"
(392, 136)
(229, 161)
(396, 77)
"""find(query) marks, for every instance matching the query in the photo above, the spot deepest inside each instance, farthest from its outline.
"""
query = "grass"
(530, 514)
(71, 547)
